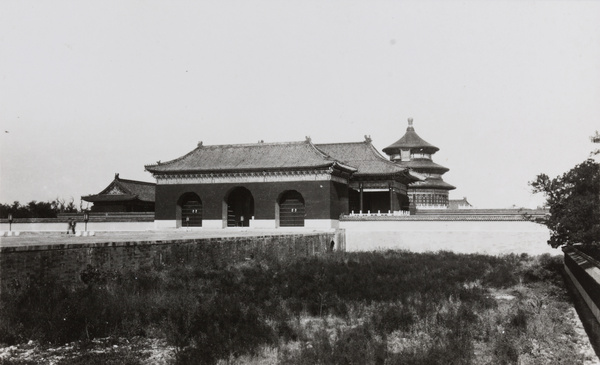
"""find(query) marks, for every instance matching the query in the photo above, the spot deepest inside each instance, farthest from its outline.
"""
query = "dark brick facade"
(323, 199)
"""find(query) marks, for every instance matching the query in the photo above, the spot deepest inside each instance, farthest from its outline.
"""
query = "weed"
(388, 307)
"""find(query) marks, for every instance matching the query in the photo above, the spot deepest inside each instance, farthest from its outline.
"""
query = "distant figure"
(69, 225)
(73, 223)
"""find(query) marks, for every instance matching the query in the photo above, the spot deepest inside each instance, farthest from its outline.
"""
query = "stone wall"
(584, 272)
(65, 262)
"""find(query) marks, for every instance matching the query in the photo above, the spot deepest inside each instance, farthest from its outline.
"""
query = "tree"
(35, 209)
(574, 201)
(595, 139)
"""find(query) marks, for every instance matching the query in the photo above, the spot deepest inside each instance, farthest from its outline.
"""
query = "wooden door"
(291, 210)
(191, 214)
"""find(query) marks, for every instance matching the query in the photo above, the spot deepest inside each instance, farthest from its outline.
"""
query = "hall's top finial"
(410, 125)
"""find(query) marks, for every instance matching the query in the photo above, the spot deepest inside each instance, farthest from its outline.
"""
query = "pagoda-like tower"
(415, 153)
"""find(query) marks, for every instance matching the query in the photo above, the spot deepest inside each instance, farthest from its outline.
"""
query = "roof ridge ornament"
(368, 138)
(410, 125)
(200, 144)
(308, 139)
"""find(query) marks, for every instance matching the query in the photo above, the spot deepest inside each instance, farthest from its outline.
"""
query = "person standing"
(69, 225)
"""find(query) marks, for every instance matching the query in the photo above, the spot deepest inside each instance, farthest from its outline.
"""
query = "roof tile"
(363, 156)
(268, 156)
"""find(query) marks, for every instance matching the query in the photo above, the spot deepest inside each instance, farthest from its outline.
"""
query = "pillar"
(361, 196)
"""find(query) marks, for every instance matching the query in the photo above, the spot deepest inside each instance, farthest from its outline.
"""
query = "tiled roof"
(143, 190)
(433, 183)
(124, 190)
(410, 140)
(455, 203)
(109, 198)
(256, 156)
(424, 165)
(363, 156)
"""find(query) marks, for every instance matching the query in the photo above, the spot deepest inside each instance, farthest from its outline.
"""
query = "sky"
(506, 89)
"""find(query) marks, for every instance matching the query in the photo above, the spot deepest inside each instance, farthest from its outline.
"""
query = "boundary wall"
(66, 262)
(484, 237)
(62, 226)
(97, 222)
(584, 272)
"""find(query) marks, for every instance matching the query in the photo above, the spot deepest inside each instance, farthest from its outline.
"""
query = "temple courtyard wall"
(64, 258)
(412, 233)
(43, 248)
(493, 237)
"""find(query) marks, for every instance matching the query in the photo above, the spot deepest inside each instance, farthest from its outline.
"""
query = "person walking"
(69, 225)
(73, 223)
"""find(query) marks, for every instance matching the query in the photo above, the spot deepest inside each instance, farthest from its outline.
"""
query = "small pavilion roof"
(250, 157)
(410, 140)
(364, 157)
(124, 190)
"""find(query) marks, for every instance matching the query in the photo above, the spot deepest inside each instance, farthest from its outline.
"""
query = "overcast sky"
(506, 90)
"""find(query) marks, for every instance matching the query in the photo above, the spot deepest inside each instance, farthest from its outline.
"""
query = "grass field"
(393, 307)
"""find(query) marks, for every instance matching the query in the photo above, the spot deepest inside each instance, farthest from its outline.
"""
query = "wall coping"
(573, 249)
(440, 217)
(91, 245)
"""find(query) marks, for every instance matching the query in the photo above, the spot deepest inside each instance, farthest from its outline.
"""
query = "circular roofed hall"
(413, 152)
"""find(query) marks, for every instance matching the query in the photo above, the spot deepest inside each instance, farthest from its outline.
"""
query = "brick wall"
(323, 199)
(67, 261)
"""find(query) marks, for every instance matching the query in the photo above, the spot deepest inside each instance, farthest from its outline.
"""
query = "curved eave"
(406, 176)
(396, 150)
(424, 165)
(110, 198)
(339, 166)
(410, 140)
(432, 184)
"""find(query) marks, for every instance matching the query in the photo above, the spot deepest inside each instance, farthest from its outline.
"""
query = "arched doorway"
(291, 209)
(189, 208)
(240, 207)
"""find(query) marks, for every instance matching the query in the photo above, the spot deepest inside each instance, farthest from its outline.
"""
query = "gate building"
(271, 185)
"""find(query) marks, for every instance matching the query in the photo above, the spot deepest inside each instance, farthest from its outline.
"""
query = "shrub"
(213, 314)
(319, 351)
(389, 317)
(103, 358)
(501, 276)
(359, 346)
(519, 321)
(217, 327)
(506, 351)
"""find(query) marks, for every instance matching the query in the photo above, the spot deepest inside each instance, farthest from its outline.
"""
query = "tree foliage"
(35, 209)
(574, 201)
